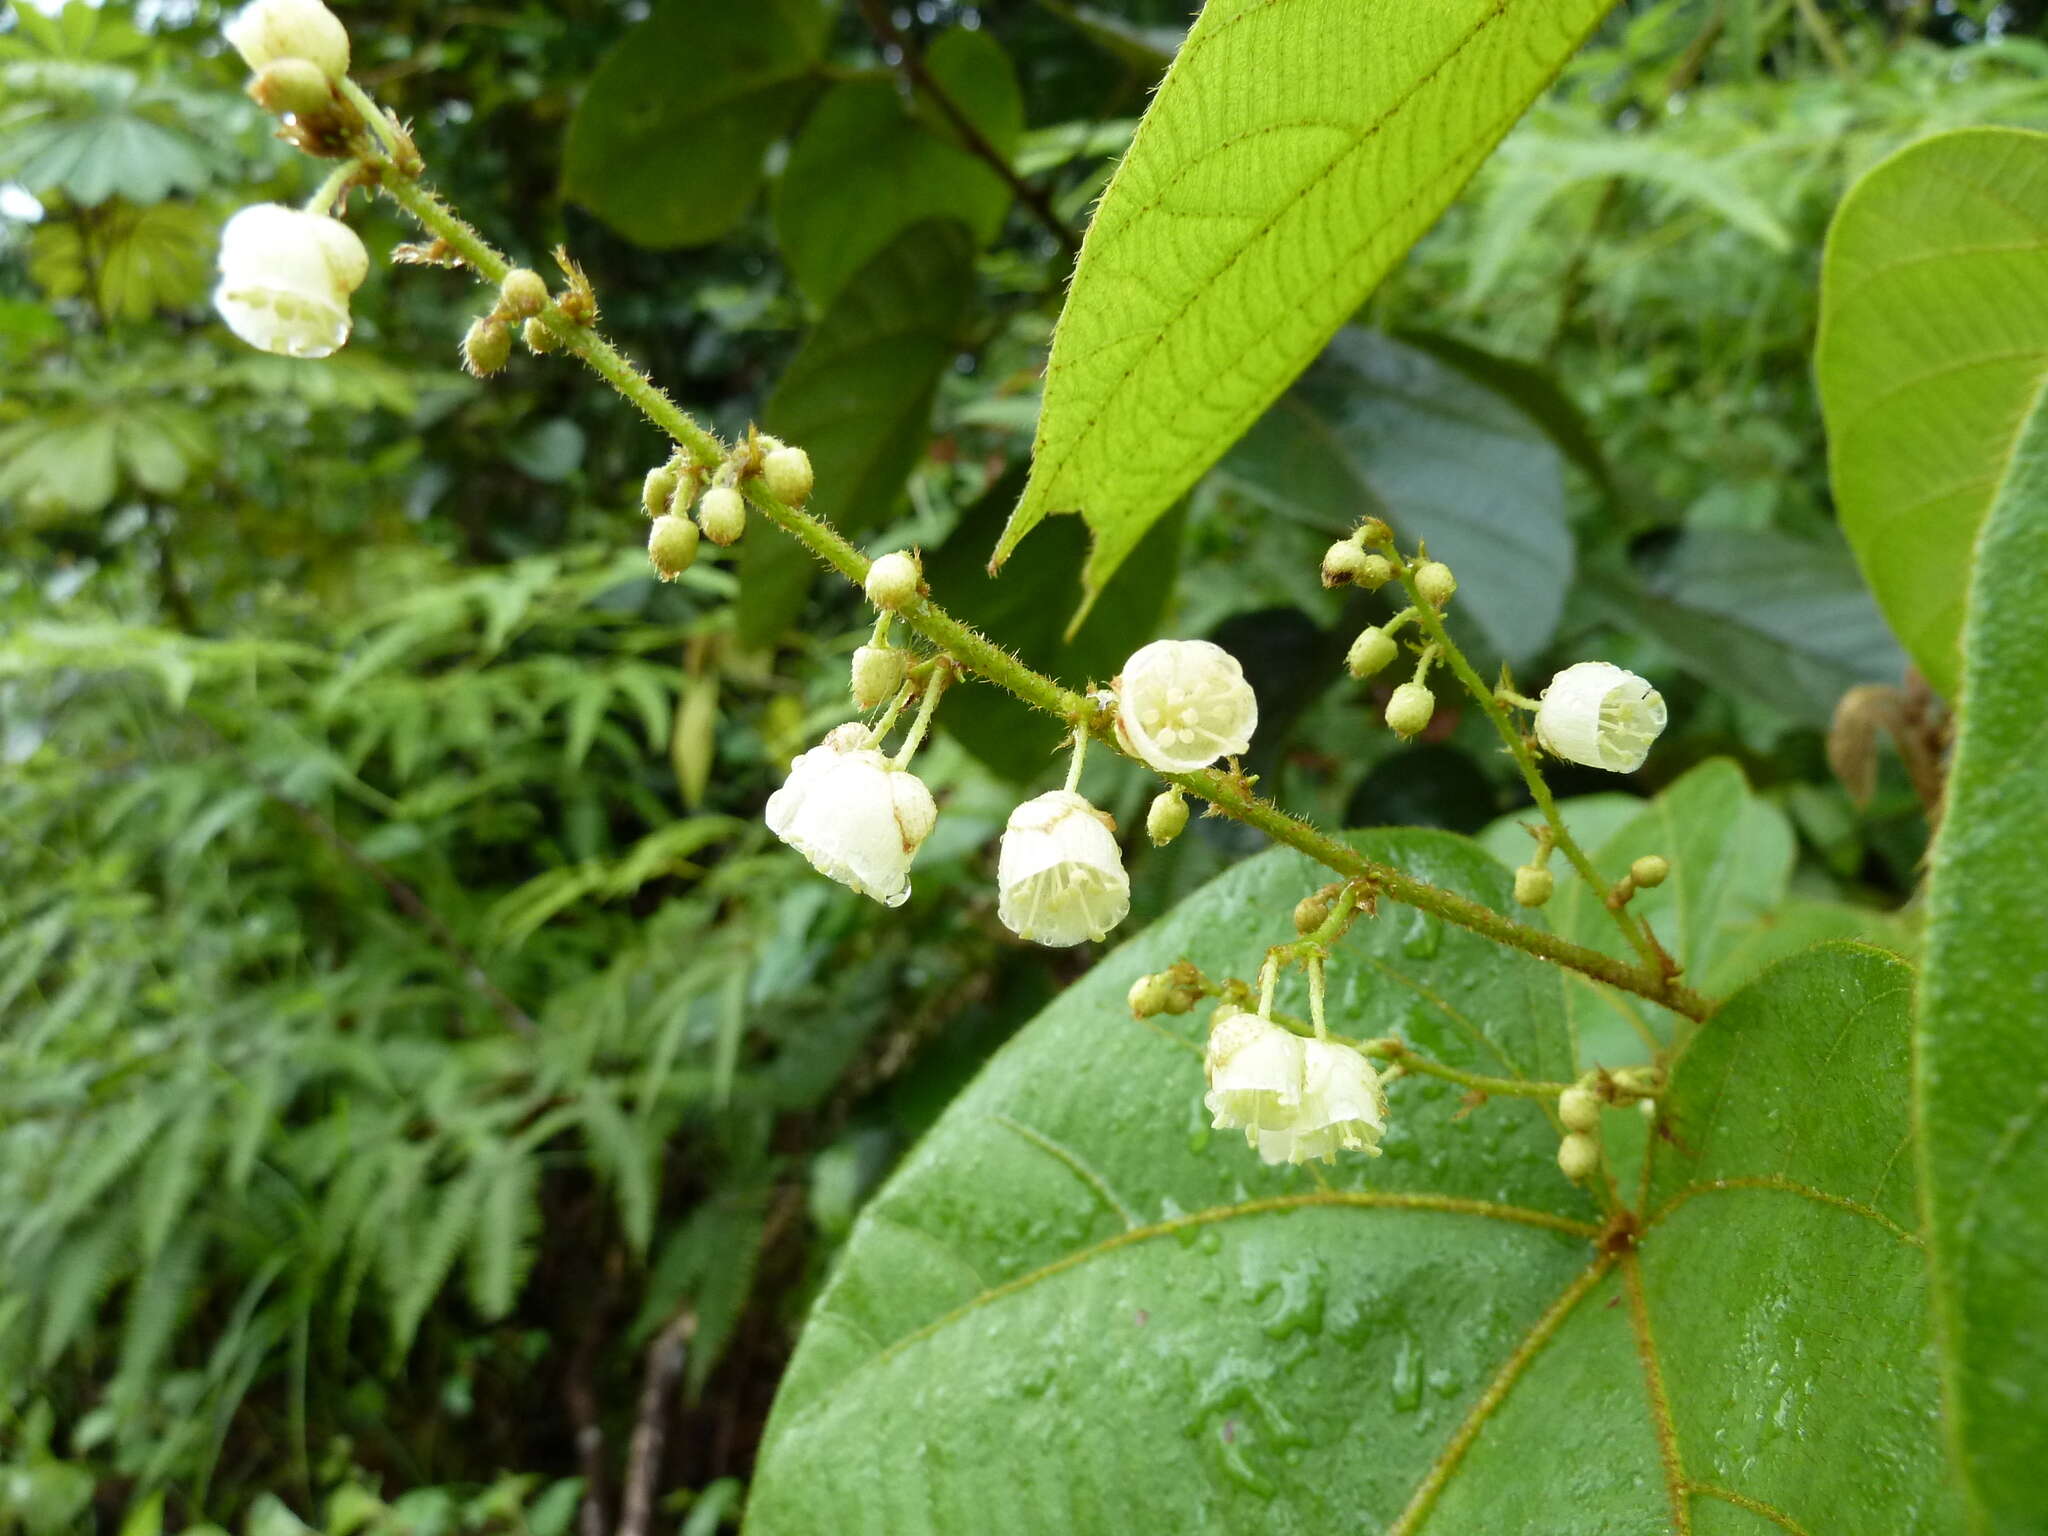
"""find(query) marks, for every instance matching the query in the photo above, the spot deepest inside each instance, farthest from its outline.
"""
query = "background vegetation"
(428, 1098)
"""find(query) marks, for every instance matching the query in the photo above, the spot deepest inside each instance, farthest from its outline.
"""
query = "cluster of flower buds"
(1579, 1108)
(1174, 990)
(1295, 1099)
(669, 491)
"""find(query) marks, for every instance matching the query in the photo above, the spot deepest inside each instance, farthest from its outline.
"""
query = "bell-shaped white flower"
(1255, 1074)
(269, 30)
(285, 278)
(1600, 715)
(1342, 1106)
(854, 814)
(1060, 875)
(1182, 704)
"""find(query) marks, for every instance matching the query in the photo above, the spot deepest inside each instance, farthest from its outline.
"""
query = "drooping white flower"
(1059, 873)
(1342, 1106)
(1182, 704)
(1255, 1075)
(268, 30)
(854, 814)
(1600, 715)
(285, 278)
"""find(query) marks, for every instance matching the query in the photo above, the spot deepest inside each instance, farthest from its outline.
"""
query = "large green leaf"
(858, 398)
(866, 165)
(1933, 347)
(668, 142)
(1377, 425)
(1291, 156)
(1076, 1310)
(1983, 1082)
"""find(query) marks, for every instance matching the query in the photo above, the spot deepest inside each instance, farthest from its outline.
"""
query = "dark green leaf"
(668, 142)
(858, 399)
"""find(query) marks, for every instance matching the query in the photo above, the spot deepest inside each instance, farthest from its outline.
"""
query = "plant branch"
(665, 1357)
(876, 14)
(1229, 793)
(1405, 1056)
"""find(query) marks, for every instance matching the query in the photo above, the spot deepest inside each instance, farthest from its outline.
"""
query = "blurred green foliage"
(405, 1021)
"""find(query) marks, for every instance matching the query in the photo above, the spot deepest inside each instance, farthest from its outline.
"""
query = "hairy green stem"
(1229, 793)
(1405, 1056)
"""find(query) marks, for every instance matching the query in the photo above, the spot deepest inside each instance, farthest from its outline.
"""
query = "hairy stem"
(1229, 793)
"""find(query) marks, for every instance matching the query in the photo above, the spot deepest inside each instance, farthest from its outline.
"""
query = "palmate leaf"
(1983, 1079)
(1924, 418)
(1075, 1309)
(1293, 153)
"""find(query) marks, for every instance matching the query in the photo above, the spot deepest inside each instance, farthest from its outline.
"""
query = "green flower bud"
(538, 338)
(1312, 911)
(658, 490)
(1342, 562)
(1433, 579)
(486, 346)
(1650, 870)
(1578, 1156)
(292, 87)
(524, 293)
(878, 671)
(1167, 818)
(893, 582)
(672, 545)
(1371, 651)
(1533, 886)
(723, 514)
(1372, 531)
(787, 474)
(1154, 994)
(1408, 711)
(1579, 1109)
(1377, 571)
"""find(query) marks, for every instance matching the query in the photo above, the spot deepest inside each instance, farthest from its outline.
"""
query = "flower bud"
(1578, 1155)
(1433, 579)
(524, 293)
(723, 514)
(1600, 715)
(786, 472)
(1312, 911)
(1377, 571)
(1408, 711)
(1059, 873)
(486, 346)
(893, 582)
(1372, 531)
(1371, 651)
(1651, 870)
(538, 338)
(1647, 1108)
(270, 30)
(285, 279)
(1533, 885)
(292, 88)
(672, 545)
(1342, 562)
(1167, 818)
(658, 490)
(1182, 704)
(1579, 1110)
(1154, 994)
(878, 672)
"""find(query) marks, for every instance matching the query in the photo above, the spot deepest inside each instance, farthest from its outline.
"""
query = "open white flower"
(1182, 704)
(1060, 875)
(269, 30)
(1342, 1106)
(854, 814)
(1255, 1075)
(1600, 715)
(285, 278)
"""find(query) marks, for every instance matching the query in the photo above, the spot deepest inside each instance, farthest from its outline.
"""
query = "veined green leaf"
(1293, 153)
(1983, 1063)
(1932, 353)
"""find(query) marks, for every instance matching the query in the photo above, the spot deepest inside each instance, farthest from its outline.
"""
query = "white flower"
(1181, 704)
(285, 278)
(855, 815)
(1255, 1074)
(1601, 715)
(1342, 1106)
(1060, 874)
(270, 30)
